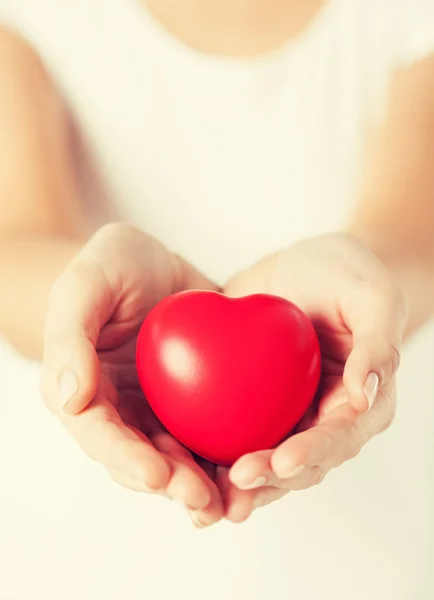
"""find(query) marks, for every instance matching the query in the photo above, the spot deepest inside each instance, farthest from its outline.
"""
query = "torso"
(223, 160)
(247, 154)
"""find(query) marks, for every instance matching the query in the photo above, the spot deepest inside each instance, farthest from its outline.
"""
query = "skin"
(46, 251)
(243, 28)
(95, 310)
(359, 315)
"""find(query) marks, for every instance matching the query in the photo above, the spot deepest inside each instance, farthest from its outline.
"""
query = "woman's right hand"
(89, 378)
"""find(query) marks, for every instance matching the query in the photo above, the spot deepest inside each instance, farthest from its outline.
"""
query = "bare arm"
(395, 216)
(41, 223)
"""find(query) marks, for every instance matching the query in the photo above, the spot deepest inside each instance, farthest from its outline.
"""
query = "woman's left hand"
(360, 316)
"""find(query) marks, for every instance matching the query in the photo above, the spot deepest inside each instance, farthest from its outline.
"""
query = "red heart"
(228, 376)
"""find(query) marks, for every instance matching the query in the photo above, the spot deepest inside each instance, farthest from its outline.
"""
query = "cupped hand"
(89, 378)
(360, 316)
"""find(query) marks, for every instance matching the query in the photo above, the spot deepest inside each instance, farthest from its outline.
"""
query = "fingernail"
(259, 482)
(371, 388)
(191, 513)
(196, 521)
(179, 502)
(68, 387)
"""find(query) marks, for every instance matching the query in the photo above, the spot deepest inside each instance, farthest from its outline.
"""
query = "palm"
(336, 344)
(120, 387)
(356, 311)
(116, 279)
(119, 390)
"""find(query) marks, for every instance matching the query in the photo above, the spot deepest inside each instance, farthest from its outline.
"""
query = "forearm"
(28, 268)
(395, 214)
(412, 266)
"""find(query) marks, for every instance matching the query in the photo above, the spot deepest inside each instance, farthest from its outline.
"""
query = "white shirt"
(224, 160)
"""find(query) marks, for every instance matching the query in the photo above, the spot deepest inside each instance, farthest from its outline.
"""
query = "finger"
(255, 472)
(311, 448)
(238, 504)
(278, 467)
(274, 467)
(267, 495)
(252, 470)
(377, 318)
(304, 459)
(212, 513)
(79, 304)
(202, 498)
(104, 437)
(201, 518)
(135, 485)
(381, 416)
(272, 487)
(335, 440)
(189, 484)
(338, 437)
(307, 478)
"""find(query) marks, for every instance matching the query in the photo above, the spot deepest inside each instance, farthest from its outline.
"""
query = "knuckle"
(354, 447)
(115, 233)
(348, 443)
(393, 358)
(399, 301)
(115, 455)
(67, 286)
(318, 475)
(353, 442)
(388, 359)
(388, 411)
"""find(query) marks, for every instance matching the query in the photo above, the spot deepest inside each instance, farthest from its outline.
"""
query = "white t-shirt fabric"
(224, 160)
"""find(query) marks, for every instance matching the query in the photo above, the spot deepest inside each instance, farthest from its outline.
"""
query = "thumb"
(377, 323)
(78, 307)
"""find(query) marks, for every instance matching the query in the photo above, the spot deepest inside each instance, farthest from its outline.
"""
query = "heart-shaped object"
(228, 376)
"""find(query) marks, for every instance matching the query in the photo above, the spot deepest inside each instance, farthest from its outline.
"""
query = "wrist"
(411, 268)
